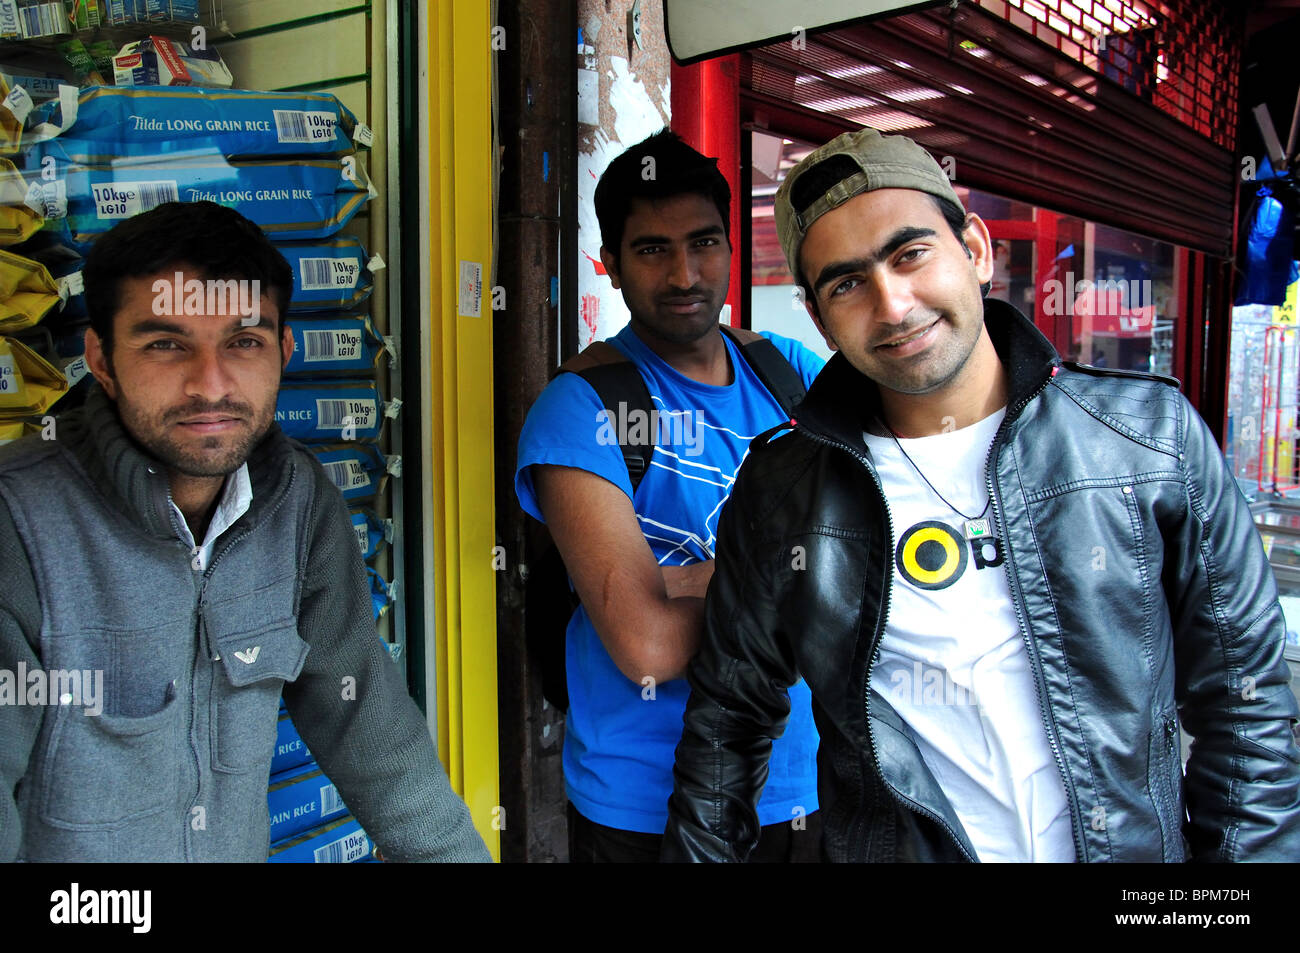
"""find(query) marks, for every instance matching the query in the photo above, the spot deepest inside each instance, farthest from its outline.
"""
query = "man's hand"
(648, 618)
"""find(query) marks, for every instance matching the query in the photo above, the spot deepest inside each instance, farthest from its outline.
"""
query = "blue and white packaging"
(290, 750)
(116, 122)
(346, 344)
(318, 411)
(301, 798)
(373, 534)
(359, 470)
(289, 199)
(159, 61)
(338, 842)
(171, 11)
(382, 592)
(333, 275)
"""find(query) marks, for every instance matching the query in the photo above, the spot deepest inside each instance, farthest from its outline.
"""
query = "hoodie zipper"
(1017, 601)
(875, 650)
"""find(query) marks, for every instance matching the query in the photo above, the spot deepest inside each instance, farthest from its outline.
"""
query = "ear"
(976, 234)
(611, 265)
(821, 328)
(98, 362)
(286, 344)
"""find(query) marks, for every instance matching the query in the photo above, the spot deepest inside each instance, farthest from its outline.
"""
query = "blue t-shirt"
(619, 745)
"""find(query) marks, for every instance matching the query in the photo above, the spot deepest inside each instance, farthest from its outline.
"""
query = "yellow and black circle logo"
(931, 555)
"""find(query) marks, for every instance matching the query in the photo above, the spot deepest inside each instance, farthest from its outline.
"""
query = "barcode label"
(330, 802)
(295, 125)
(124, 199)
(326, 274)
(363, 536)
(339, 414)
(347, 474)
(9, 379)
(345, 850)
(331, 345)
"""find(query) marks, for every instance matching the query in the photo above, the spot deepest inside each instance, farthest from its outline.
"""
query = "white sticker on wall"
(471, 289)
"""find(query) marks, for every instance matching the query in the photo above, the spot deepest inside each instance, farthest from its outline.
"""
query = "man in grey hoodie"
(172, 547)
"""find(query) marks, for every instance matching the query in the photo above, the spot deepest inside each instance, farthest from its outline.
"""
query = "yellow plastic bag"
(12, 430)
(19, 221)
(14, 106)
(29, 384)
(27, 292)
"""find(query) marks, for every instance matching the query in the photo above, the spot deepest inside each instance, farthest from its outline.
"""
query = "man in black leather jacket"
(1125, 588)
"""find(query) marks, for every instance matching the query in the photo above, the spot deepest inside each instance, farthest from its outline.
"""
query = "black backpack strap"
(770, 366)
(616, 382)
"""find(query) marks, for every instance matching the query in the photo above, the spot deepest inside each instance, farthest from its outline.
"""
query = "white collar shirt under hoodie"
(236, 497)
(952, 661)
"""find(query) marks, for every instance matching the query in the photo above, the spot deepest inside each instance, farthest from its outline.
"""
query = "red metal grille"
(1182, 56)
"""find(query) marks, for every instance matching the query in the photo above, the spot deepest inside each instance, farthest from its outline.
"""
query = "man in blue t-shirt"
(641, 560)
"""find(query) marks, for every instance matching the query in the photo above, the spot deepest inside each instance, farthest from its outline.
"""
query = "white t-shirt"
(952, 660)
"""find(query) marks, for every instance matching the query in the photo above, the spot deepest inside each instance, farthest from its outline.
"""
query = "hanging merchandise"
(1270, 242)
(330, 345)
(11, 430)
(29, 385)
(330, 275)
(27, 292)
(382, 593)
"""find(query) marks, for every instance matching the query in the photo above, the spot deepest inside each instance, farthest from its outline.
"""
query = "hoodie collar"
(137, 482)
(842, 400)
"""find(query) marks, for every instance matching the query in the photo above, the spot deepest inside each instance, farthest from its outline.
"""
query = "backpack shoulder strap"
(769, 366)
(616, 382)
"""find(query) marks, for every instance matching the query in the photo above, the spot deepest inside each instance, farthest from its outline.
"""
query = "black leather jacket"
(1141, 588)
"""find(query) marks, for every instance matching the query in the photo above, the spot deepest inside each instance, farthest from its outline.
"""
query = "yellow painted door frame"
(456, 224)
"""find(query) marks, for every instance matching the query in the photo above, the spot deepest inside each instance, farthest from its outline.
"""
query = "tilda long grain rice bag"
(113, 122)
(291, 199)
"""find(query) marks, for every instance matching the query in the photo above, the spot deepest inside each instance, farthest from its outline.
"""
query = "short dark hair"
(216, 240)
(952, 214)
(677, 169)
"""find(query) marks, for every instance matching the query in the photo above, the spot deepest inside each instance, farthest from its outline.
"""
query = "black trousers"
(781, 843)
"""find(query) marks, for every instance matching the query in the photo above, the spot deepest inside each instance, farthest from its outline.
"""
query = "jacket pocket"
(101, 772)
(1165, 779)
(246, 687)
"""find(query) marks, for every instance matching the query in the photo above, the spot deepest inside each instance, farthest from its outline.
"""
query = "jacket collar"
(137, 483)
(842, 401)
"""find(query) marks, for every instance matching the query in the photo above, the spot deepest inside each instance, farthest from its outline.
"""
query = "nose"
(894, 297)
(206, 375)
(683, 270)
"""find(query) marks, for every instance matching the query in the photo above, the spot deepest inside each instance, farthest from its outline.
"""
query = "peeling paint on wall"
(632, 103)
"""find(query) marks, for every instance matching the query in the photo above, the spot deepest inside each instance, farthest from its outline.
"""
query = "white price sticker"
(124, 199)
(10, 379)
(345, 850)
(326, 274)
(297, 125)
(334, 414)
(363, 536)
(331, 345)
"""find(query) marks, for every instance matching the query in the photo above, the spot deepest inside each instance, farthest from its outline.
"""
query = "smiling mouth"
(910, 338)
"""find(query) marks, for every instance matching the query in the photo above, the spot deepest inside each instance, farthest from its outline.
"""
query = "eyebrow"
(708, 231)
(838, 269)
(160, 326)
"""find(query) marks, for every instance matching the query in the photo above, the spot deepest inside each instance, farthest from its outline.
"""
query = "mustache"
(201, 408)
(900, 333)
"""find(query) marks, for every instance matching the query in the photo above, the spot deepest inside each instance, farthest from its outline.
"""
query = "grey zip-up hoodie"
(94, 578)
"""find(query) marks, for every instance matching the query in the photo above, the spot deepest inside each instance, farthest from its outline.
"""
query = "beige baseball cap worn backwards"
(873, 162)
